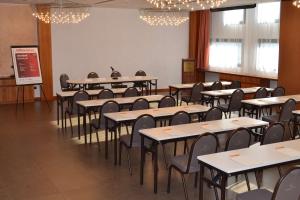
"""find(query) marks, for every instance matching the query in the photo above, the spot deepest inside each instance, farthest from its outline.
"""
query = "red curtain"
(199, 39)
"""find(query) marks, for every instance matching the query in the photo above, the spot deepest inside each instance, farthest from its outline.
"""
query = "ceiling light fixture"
(63, 13)
(186, 4)
(296, 3)
(163, 17)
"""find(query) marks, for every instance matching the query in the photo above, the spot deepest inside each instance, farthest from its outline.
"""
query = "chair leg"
(129, 161)
(164, 155)
(184, 187)
(225, 115)
(247, 181)
(175, 148)
(98, 141)
(169, 180)
(279, 171)
(215, 189)
(120, 153)
(258, 177)
(196, 180)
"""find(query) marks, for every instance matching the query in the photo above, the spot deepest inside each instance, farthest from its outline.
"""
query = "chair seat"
(271, 118)
(186, 98)
(126, 140)
(181, 162)
(260, 194)
(95, 123)
(224, 107)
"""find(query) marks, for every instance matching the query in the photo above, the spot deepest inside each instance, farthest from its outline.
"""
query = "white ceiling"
(121, 3)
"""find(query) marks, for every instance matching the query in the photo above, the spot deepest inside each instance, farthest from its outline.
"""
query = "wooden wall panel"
(8, 92)
(289, 45)
(246, 81)
(44, 39)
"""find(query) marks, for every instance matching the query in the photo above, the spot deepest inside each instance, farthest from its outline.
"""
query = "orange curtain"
(199, 38)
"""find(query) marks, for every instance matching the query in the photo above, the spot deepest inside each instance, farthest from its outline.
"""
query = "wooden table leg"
(223, 186)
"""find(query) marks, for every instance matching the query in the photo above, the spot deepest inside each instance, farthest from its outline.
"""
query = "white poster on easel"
(26, 65)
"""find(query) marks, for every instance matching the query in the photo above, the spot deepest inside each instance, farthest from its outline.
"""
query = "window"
(245, 41)
(267, 56)
(233, 17)
(268, 12)
(226, 53)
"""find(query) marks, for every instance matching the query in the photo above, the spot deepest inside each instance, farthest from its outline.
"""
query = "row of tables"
(237, 162)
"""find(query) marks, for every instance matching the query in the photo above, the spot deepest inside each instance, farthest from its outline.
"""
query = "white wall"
(118, 38)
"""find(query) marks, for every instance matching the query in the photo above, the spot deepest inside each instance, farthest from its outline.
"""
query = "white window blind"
(246, 41)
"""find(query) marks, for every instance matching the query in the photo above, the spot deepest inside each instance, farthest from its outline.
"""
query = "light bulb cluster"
(186, 4)
(296, 3)
(163, 18)
(63, 15)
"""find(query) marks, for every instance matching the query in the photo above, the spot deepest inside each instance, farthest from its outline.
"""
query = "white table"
(268, 102)
(158, 113)
(62, 96)
(188, 86)
(246, 160)
(89, 104)
(185, 131)
(123, 79)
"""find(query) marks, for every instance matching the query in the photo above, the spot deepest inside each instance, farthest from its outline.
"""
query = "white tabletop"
(296, 112)
(122, 79)
(190, 85)
(228, 92)
(271, 100)
(90, 92)
(194, 129)
(120, 101)
(156, 112)
(253, 157)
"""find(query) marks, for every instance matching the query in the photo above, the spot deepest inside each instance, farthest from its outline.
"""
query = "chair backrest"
(235, 84)
(115, 74)
(273, 134)
(217, 85)
(278, 91)
(63, 81)
(261, 93)
(142, 122)
(181, 117)
(106, 94)
(167, 101)
(92, 75)
(78, 96)
(140, 73)
(203, 145)
(235, 103)
(108, 107)
(288, 187)
(131, 92)
(196, 95)
(213, 114)
(286, 112)
(239, 139)
(140, 104)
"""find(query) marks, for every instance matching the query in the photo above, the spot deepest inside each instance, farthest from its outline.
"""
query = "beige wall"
(17, 27)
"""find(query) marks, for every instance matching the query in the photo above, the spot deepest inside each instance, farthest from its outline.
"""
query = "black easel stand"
(23, 99)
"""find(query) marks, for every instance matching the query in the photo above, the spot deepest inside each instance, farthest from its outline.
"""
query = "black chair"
(217, 85)
(167, 101)
(134, 139)
(64, 86)
(140, 84)
(105, 94)
(288, 187)
(116, 75)
(274, 134)
(93, 86)
(285, 116)
(140, 104)
(99, 123)
(212, 114)
(260, 93)
(239, 139)
(131, 92)
(235, 103)
(278, 92)
(180, 117)
(188, 163)
(235, 85)
(74, 110)
(196, 96)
